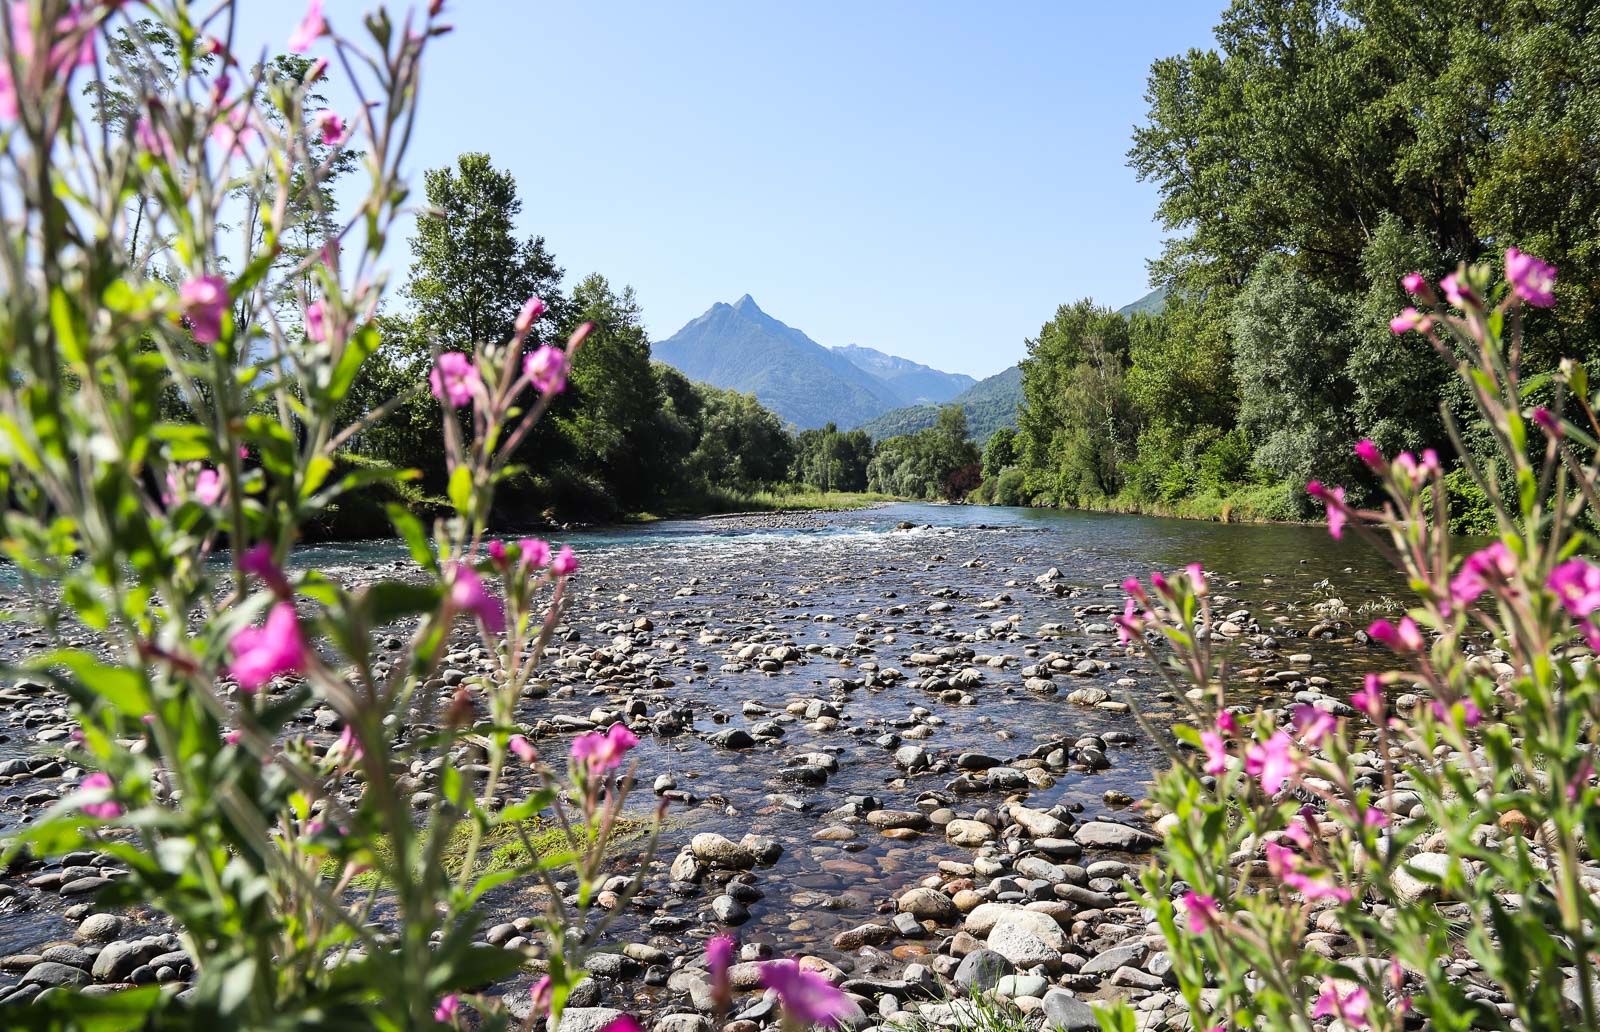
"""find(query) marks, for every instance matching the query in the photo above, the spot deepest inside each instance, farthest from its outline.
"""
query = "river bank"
(875, 743)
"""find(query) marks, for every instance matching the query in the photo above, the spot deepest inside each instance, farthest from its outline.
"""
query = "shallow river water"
(817, 585)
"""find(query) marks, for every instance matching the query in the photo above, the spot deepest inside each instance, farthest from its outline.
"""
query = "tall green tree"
(470, 273)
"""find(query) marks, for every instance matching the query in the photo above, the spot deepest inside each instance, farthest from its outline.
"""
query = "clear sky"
(929, 179)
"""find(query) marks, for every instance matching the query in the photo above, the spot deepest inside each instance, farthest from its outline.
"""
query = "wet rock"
(1039, 824)
(52, 974)
(982, 969)
(927, 904)
(1106, 835)
(718, 851)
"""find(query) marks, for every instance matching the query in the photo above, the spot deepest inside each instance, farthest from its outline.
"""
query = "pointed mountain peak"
(747, 304)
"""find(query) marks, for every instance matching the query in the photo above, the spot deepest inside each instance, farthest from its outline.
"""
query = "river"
(854, 581)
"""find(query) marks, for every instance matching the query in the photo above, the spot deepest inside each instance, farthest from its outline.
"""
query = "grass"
(722, 502)
(503, 849)
(1245, 503)
(977, 1011)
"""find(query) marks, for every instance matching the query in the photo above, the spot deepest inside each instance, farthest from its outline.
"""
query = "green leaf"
(362, 343)
(94, 682)
(388, 601)
(461, 489)
(410, 528)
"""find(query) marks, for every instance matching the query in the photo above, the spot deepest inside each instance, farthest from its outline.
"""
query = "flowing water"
(806, 586)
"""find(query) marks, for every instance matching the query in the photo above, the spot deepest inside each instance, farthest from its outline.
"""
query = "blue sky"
(930, 179)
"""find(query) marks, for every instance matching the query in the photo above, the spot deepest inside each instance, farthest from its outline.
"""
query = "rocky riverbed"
(897, 743)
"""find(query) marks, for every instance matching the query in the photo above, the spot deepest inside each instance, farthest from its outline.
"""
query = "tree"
(1074, 427)
(1000, 452)
(470, 275)
(743, 445)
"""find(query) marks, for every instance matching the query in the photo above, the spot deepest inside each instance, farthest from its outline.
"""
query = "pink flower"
(257, 559)
(1129, 624)
(1405, 637)
(1414, 282)
(1313, 724)
(312, 25)
(1471, 715)
(532, 309)
(1197, 579)
(454, 379)
(540, 994)
(719, 958)
(1368, 453)
(1547, 421)
(1333, 498)
(1350, 1007)
(1272, 762)
(1458, 293)
(1134, 588)
(1159, 585)
(468, 594)
(445, 1013)
(204, 300)
(106, 809)
(546, 369)
(235, 129)
(153, 140)
(1375, 818)
(1216, 752)
(317, 321)
(1531, 279)
(1369, 699)
(1494, 564)
(262, 653)
(624, 1023)
(347, 747)
(1410, 319)
(565, 564)
(10, 106)
(1577, 584)
(497, 553)
(535, 553)
(1202, 911)
(208, 486)
(1225, 723)
(806, 997)
(523, 749)
(331, 127)
(596, 753)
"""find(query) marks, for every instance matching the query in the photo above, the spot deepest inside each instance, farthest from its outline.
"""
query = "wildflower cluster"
(1311, 852)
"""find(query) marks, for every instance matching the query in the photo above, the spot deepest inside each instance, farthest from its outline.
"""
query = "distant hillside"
(916, 383)
(741, 347)
(1151, 304)
(990, 405)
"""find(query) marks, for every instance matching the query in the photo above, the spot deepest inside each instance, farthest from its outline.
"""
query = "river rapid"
(848, 599)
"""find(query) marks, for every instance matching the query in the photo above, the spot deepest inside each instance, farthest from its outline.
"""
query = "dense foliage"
(939, 462)
(990, 405)
(1441, 820)
(1321, 150)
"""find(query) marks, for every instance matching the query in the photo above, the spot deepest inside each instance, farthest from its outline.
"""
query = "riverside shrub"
(1348, 861)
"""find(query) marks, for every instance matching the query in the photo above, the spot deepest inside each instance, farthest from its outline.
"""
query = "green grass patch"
(791, 498)
(507, 847)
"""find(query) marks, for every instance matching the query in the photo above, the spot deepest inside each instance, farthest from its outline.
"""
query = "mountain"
(1151, 304)
(741, 347)
(990, 404)
(916, 383)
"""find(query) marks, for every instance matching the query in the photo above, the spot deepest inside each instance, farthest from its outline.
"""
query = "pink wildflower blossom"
(1410, 319)
(1368, 453)
(469, 595)
(546, 369)
(806, 997)
(1577, 584)
(1369, 699)
(331, 127)
(262, 653)
(316, 320)
(1349, 1007)
(565, 564)
(535, 553)
(523, 749)
(1532, 280)
(1202, 911)
(540, 995)
(1494, 564)
(1414, 282)
(312, 25)
(1216, 752)
(532, 309)
(204, 300)
(454, 379)
(596, 753)
(1313, 724)
(1272, 762)
(449, 1007)
(719, 960)
(1457, 292)
(1403, 637)
(105, 809)
(1333, 498)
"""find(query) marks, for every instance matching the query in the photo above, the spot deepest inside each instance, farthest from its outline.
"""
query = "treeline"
(628, 435)
(1322, 150)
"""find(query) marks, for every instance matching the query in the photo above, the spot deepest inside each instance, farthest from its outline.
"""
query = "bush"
(1457, 775)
